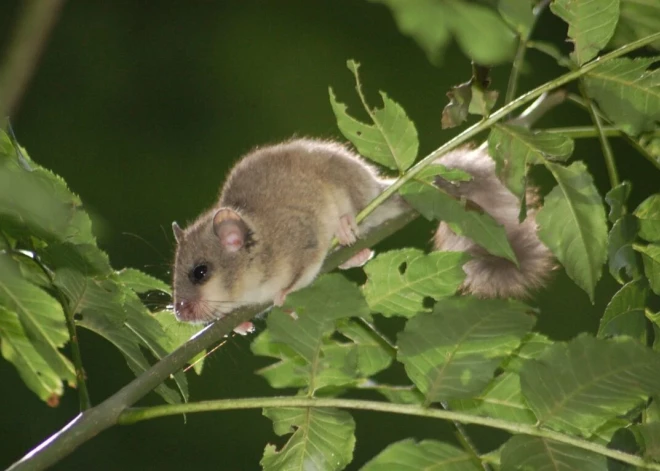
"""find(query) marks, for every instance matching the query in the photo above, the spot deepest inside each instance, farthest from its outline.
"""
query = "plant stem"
(519, 59)
(131, 416)
(501, 113)
(604, 143)
(24, 50)
(580, 132)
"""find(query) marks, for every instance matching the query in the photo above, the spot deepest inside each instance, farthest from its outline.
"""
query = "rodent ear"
(230, 229)
(178, 232)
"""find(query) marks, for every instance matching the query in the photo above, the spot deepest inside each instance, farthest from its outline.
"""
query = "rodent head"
(212, 259)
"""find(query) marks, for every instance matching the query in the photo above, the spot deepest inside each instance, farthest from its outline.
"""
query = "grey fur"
(489, 276)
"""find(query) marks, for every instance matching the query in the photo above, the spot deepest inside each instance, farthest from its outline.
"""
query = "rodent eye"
(198, 273)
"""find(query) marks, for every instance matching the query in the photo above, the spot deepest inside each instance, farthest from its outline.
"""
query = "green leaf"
(291, 371)
(17, 349)
(650, 439)
(502, 399)
(573, 226)
(322, 439)
(624, 314)
(479, 227)
(429, 174)
(651, 260)
(409, 455)
(648, 215)
(453, 353)
(479, 31)
(518, 14)
(398, 281)
(523, 452)
(141, 283)
(591, 24)
(621, 255)
(616, 198)
(177, 333)
(576, 387)
(392, 138)
(532, 346)
(40, 315)
(373, 355)
(627, 92)
(637, 20)
(514, 148)
(397, 394)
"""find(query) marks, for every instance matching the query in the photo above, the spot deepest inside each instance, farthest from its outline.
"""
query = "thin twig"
(25, 48)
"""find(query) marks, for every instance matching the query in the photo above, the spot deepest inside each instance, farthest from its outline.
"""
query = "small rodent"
(272, 227)
(489, 276)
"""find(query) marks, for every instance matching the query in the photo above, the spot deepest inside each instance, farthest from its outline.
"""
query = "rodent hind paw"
(347, 232)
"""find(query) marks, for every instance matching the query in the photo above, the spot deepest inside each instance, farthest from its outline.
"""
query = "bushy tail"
(489, 276)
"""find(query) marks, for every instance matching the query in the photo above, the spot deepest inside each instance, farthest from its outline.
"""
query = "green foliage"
(624, 314)
(522, 453)
(648, 215)
(408, 455)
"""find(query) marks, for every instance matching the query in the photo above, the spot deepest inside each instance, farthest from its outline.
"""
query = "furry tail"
(489, 276)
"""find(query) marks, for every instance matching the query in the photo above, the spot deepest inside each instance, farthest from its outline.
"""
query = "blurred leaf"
(620, 251)
(322, 439)
(648, 215)
(453, 353)
(651, 259)
(621, 439)
(141, 283)
(392, 138)
(518, 14)
(572, 224)
(624, 314)
(650, 439)
(513, 148)
(591, 24)
(533, 345)
(616, 198)
(576, 387)
(372, 354)
(502, 399)
(409, 455)
(399, 280)
(40, 315)
(637, 20)
(479, 227)
(17, 349)
(627, 92)
(523, 452)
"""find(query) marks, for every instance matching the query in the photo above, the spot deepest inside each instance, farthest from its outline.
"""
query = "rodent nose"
(184, 310)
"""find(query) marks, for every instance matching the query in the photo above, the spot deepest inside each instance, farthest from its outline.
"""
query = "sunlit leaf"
(648, 215)
(399, 280)
(322, 439)
(524, 452)
(624, 314)
(591, 24)
(409, 455)
(453, 352)
(651, 259)
(576, 387)
(572, 224)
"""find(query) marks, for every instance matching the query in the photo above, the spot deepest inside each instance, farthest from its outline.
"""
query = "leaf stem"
(498, 115)
(131, 416)
(580, 132)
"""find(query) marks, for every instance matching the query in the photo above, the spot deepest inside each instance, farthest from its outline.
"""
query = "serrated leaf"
(502, 399)
(650, 439)
(648, 215)
(17, 349)
(621, 255)
(392, 138)
(624, 314)
(651, 260)
(637, 20)
(373, 355)
(573, 226)
(322, 439)
(40, 315)
(518, 14)
(576, 387)
(523, 453)
(399, 280)
(627, 92)
(454, 352)
(409, 455)
(591, 24)
(479, 227)
(616, 198)
(513, 148)
(141, 283)
(479, 31)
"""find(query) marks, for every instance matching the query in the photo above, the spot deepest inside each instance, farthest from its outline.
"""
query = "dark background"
(142, 106)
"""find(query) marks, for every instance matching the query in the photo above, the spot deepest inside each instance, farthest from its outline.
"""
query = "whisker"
(206, 355)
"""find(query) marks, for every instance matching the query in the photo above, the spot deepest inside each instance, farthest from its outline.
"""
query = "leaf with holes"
(524, 452)
(651, 260)
(453, 352)
(399, 280)
(392, 138)
(591, 24)
(322, 439)
(409, 455)
(628, 92)
(624, 314)
(648, 215)
(578, 386)
(572, 224)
